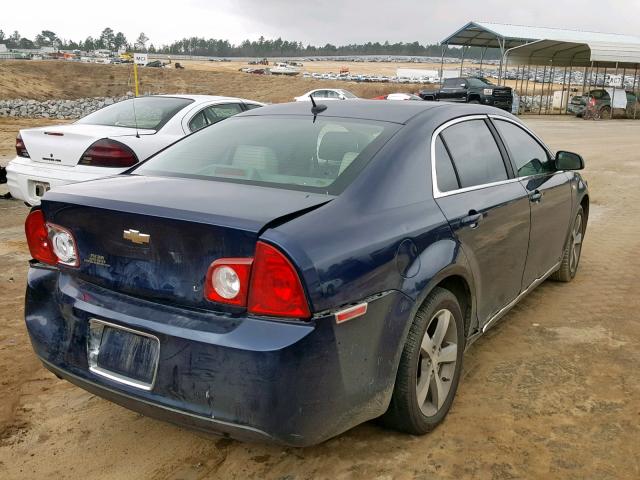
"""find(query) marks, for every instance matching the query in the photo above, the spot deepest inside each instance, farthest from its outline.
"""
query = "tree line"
(114, 41)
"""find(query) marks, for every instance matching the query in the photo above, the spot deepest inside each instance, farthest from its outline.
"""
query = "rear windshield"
(291, 152)
(149, 113)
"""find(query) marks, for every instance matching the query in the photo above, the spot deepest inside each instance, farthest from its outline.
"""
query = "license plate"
(122, 354)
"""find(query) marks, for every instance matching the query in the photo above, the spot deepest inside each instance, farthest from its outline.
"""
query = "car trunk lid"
(155, 238)
(64, 144)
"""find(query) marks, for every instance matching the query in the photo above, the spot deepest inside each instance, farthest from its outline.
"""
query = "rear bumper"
(290, 383)
(23, 174)
(576, 109)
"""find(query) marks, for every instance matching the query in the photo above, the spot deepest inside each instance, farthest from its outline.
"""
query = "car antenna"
(316, 109)
(135, 117)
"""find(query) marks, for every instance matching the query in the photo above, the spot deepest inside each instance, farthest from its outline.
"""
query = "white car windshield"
(148, 113)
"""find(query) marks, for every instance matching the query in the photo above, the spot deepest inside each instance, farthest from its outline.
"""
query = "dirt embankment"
(43, 80)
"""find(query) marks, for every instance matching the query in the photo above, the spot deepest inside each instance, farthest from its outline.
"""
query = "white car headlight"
(488, 91)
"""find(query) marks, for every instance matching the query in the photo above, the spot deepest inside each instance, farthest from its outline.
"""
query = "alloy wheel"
(576, 244)
(437, 362)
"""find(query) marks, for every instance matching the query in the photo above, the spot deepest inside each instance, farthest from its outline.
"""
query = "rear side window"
(149, 113)
(445, 173)
(527, 154)
(213, 114)
(475, 154)
(453, 83)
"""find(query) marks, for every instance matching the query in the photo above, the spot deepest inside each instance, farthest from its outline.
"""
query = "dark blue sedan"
(288, 274)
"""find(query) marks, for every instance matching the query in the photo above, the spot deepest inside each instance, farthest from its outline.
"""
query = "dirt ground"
(553, 391)
(44, 80)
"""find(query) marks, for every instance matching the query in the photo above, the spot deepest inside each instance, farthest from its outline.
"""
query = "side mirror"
(463, 85)
(569, 161)
(342, 97)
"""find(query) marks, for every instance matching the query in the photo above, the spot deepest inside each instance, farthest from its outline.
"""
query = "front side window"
(149, 113)
(300, 153)
(474, 152)
(527, 154)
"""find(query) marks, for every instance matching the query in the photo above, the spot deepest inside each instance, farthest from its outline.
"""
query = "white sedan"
(326, 94)
(110, 140)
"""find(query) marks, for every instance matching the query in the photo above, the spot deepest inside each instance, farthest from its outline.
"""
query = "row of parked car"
(370, 78)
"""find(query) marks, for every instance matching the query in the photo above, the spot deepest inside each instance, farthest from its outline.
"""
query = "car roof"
(396, 112)
(206, 98)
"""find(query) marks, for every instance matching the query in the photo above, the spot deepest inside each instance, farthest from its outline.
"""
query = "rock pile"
(62, 109)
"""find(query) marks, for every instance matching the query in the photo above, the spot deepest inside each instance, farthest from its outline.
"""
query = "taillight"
(275, 288)
(228, 281)
(38, 238)
(63, 244)
(108, 153)
(50, 243)
(267, 284)
(21, 148)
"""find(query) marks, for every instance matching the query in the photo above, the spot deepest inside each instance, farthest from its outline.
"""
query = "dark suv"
(597, 103)
(471, 90)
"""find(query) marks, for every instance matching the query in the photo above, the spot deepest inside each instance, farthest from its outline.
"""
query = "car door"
(549, 193)
(213, 114)
(454, 90)
(487, 209)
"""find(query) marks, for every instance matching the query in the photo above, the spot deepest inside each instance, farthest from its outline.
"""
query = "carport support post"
(462, 59)
(444, 46)
(566, 109)
(482, 53)
(552, 72)
(526, 90)
(635, 78)
(544, 75)
(564, 84)
(501, 44)
(614, 88)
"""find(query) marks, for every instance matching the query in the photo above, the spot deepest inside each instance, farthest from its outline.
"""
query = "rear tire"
(605, 113)
(474, 102)
(430, 366)
(572, 250)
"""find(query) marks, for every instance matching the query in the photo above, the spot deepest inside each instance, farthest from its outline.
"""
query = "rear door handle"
(535, 197)
(472, 220)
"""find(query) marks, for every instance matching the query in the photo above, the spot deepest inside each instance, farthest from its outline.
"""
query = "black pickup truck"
(471, 90)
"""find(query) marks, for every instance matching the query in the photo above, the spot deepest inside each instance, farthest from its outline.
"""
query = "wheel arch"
(584, 203)
(458, 279)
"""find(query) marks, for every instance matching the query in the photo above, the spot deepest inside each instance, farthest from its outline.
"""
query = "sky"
(311, 22)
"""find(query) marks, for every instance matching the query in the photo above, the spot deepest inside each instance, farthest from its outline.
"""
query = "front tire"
(572, 250)
(430, 366)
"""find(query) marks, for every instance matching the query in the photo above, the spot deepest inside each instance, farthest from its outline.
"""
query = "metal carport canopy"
(574, 54)
(499, 35)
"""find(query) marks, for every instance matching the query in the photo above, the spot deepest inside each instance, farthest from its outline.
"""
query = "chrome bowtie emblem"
(135, 236)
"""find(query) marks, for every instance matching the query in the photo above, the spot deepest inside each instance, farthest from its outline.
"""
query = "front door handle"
(472, 220)
(535, 197)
